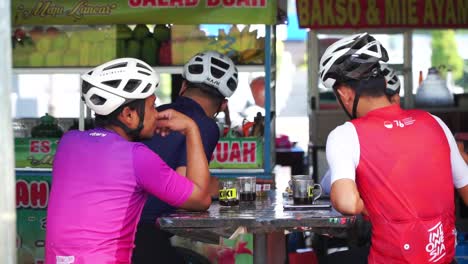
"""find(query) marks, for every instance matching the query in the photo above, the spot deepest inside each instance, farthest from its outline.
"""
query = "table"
(265, 218)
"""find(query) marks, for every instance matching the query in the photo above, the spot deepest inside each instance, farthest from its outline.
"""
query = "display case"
(251, 47)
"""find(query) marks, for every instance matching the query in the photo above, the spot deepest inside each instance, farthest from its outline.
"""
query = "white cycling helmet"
(214, 70)
(351, 58)
(393, 83)
(117, 82)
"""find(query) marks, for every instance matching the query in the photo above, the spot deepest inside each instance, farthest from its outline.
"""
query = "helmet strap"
(134, 134)
(355, 103)
(218, 110)
(342, 104)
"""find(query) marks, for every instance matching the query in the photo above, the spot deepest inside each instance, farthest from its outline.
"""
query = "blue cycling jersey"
(172, 148)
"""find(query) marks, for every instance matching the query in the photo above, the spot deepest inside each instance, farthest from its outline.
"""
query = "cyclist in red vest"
(397, 166)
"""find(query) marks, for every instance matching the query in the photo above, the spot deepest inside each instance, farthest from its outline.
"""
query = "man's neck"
(205, 104)
(367, 104)
(119, 131)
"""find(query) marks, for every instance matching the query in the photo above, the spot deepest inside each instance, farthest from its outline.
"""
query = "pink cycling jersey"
(100, 183)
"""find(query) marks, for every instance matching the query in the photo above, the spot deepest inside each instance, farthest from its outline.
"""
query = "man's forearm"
(197, 165)
(345, 197)
(463, 192)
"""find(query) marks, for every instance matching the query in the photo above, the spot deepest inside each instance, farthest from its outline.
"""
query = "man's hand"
(171, 120)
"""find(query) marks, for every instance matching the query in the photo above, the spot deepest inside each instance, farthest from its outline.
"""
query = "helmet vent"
(145, 73)
(146, 88)
(115, 66)
(143, 66)
(198, 59)
(365, 56)
(195, 69)
(231, 84)
(113, 83)
(131, 85)
(85, 86)
(326, 61)
(340, 48)
(220, 63)
(373, 48)
(217, 73)
(97, 100)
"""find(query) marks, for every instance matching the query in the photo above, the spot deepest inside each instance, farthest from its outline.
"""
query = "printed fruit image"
(121, 48)
(54, 58)
(74, 41)
(71, 58)
(36, 32)
(182, 32)
(109, 33)
(140, 32)
(20, 58)
(165, 54)
(124, 32)
(95, 54)
(149, 51)
(60, 42)
(84, 53)
(52, 31)
(178, 57)
(36, 59)
(162, 33)
(43, 43)
(19, 33)
(251, 56)
(21, 52)
(108, 50)
(133, 49)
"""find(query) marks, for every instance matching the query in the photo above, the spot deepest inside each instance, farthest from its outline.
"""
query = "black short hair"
(372, 87)
(110, 119)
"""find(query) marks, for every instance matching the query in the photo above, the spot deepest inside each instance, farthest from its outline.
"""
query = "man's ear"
(346, 94)
(183, 88)
(224, 105)
(127, 115)
(395, 99)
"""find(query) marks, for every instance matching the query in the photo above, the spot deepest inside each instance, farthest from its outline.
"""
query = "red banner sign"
(334, 14)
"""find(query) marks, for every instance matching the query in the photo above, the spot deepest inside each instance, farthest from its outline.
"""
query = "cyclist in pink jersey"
(102, 177)
(397, 166)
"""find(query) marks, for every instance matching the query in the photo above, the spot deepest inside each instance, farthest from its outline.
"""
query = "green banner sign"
(91, 12)
(238, 153)
(32, 197)
(35, 152)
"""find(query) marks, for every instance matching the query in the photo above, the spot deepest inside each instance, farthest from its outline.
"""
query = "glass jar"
(228, 193)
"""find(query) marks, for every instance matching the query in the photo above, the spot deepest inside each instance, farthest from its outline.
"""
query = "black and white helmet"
(352, 57)
(214, 70)
(117, 82)
(393, 83)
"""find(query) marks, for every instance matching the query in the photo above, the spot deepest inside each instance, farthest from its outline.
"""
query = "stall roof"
(358, 14)
(70, 12)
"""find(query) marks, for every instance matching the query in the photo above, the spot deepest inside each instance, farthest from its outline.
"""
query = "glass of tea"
(228, 193)
(247, 188)
(304, 190)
